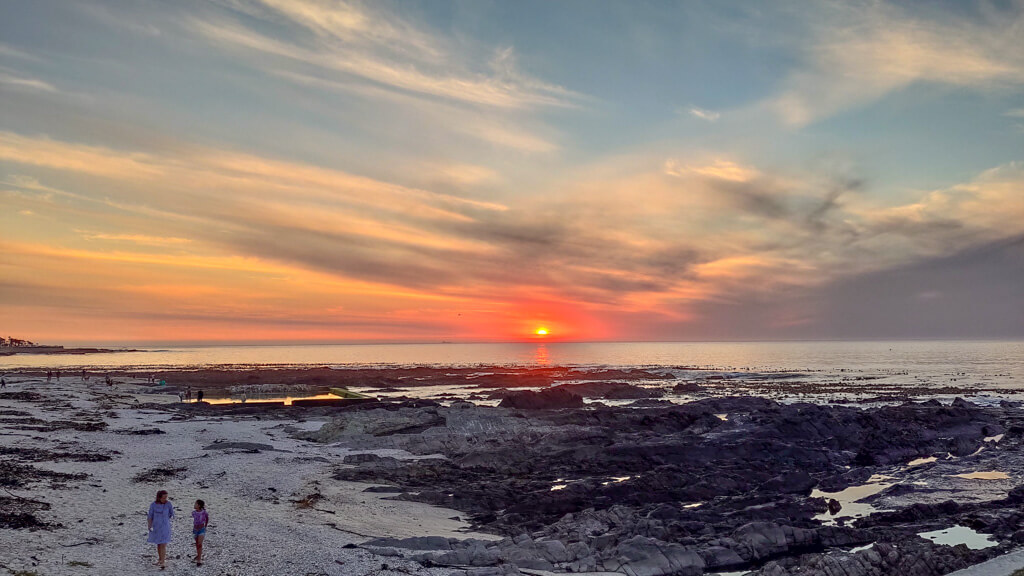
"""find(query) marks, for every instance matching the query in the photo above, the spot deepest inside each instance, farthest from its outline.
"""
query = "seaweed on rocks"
(18, 513)
(157, 475)
(22, 396)
(40, 425)
(39, 455)
(140, 432)
(15, 475)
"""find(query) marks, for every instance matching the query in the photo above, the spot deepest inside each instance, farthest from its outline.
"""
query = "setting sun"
(541, 332)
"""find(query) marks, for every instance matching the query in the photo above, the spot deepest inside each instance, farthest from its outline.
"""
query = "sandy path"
(255, 527)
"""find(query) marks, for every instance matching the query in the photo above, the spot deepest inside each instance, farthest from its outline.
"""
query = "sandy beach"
(96, 523)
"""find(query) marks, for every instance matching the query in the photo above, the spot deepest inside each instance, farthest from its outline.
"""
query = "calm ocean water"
(988, 363)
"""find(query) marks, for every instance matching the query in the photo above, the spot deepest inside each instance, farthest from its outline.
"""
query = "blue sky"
(618, 170)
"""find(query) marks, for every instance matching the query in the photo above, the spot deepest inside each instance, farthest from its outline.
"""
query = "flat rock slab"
(251, 446)
(1004, 565)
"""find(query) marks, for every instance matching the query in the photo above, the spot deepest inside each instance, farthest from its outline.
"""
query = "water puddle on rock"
(920, 461)
(960, 535)
(989, 475)
(995, 438)
(286, 400)
(861, 548)
(850, 500)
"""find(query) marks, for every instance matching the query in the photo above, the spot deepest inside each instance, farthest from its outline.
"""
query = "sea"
(989, 364)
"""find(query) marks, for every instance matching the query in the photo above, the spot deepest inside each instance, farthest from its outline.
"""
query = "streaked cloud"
(719, 168)
(10, 51)
(511, 132)
(17, 82)
(864, 51)
(144, 239)
(354, 49)
(95, 160)
(709, 115)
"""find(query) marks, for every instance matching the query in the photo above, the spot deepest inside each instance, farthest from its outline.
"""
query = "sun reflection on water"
(540, 355)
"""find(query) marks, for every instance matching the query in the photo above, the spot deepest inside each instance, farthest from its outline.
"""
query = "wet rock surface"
(547, 399)
(157, 475)
(722, 484)
(389, 378)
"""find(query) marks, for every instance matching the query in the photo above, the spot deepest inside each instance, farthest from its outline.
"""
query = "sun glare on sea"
(541, 332)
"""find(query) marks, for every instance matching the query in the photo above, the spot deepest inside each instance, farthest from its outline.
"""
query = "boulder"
(548, 399)
(642, 556)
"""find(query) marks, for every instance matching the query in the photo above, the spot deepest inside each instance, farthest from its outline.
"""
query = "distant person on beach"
(200, 518)
(188, 393)
(58, 375)
(181, 396)
(49, 375)
(199, 396)
(84, 377)
(159, 518)
(3, 382)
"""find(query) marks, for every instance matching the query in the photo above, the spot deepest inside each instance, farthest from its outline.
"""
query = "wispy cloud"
(351, 23)
(709, 115)
(719, 168)
(864, 51)
(355, 43)
(19, 82)
(143, 239)
(94, 160)
(484, 125)
(12, 52)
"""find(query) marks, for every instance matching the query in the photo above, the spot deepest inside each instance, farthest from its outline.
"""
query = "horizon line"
(536, 341)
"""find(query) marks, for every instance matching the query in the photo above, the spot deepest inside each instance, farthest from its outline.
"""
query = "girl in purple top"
(200, 518)
(160, 513)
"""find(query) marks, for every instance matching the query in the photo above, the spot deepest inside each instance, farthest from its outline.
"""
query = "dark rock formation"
(547, 399)
(675, 489)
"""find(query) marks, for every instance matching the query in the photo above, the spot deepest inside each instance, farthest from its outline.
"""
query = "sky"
(322, 171)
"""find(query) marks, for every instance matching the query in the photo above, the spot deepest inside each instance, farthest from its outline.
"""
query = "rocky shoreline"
(711, 486)
(611, 473)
